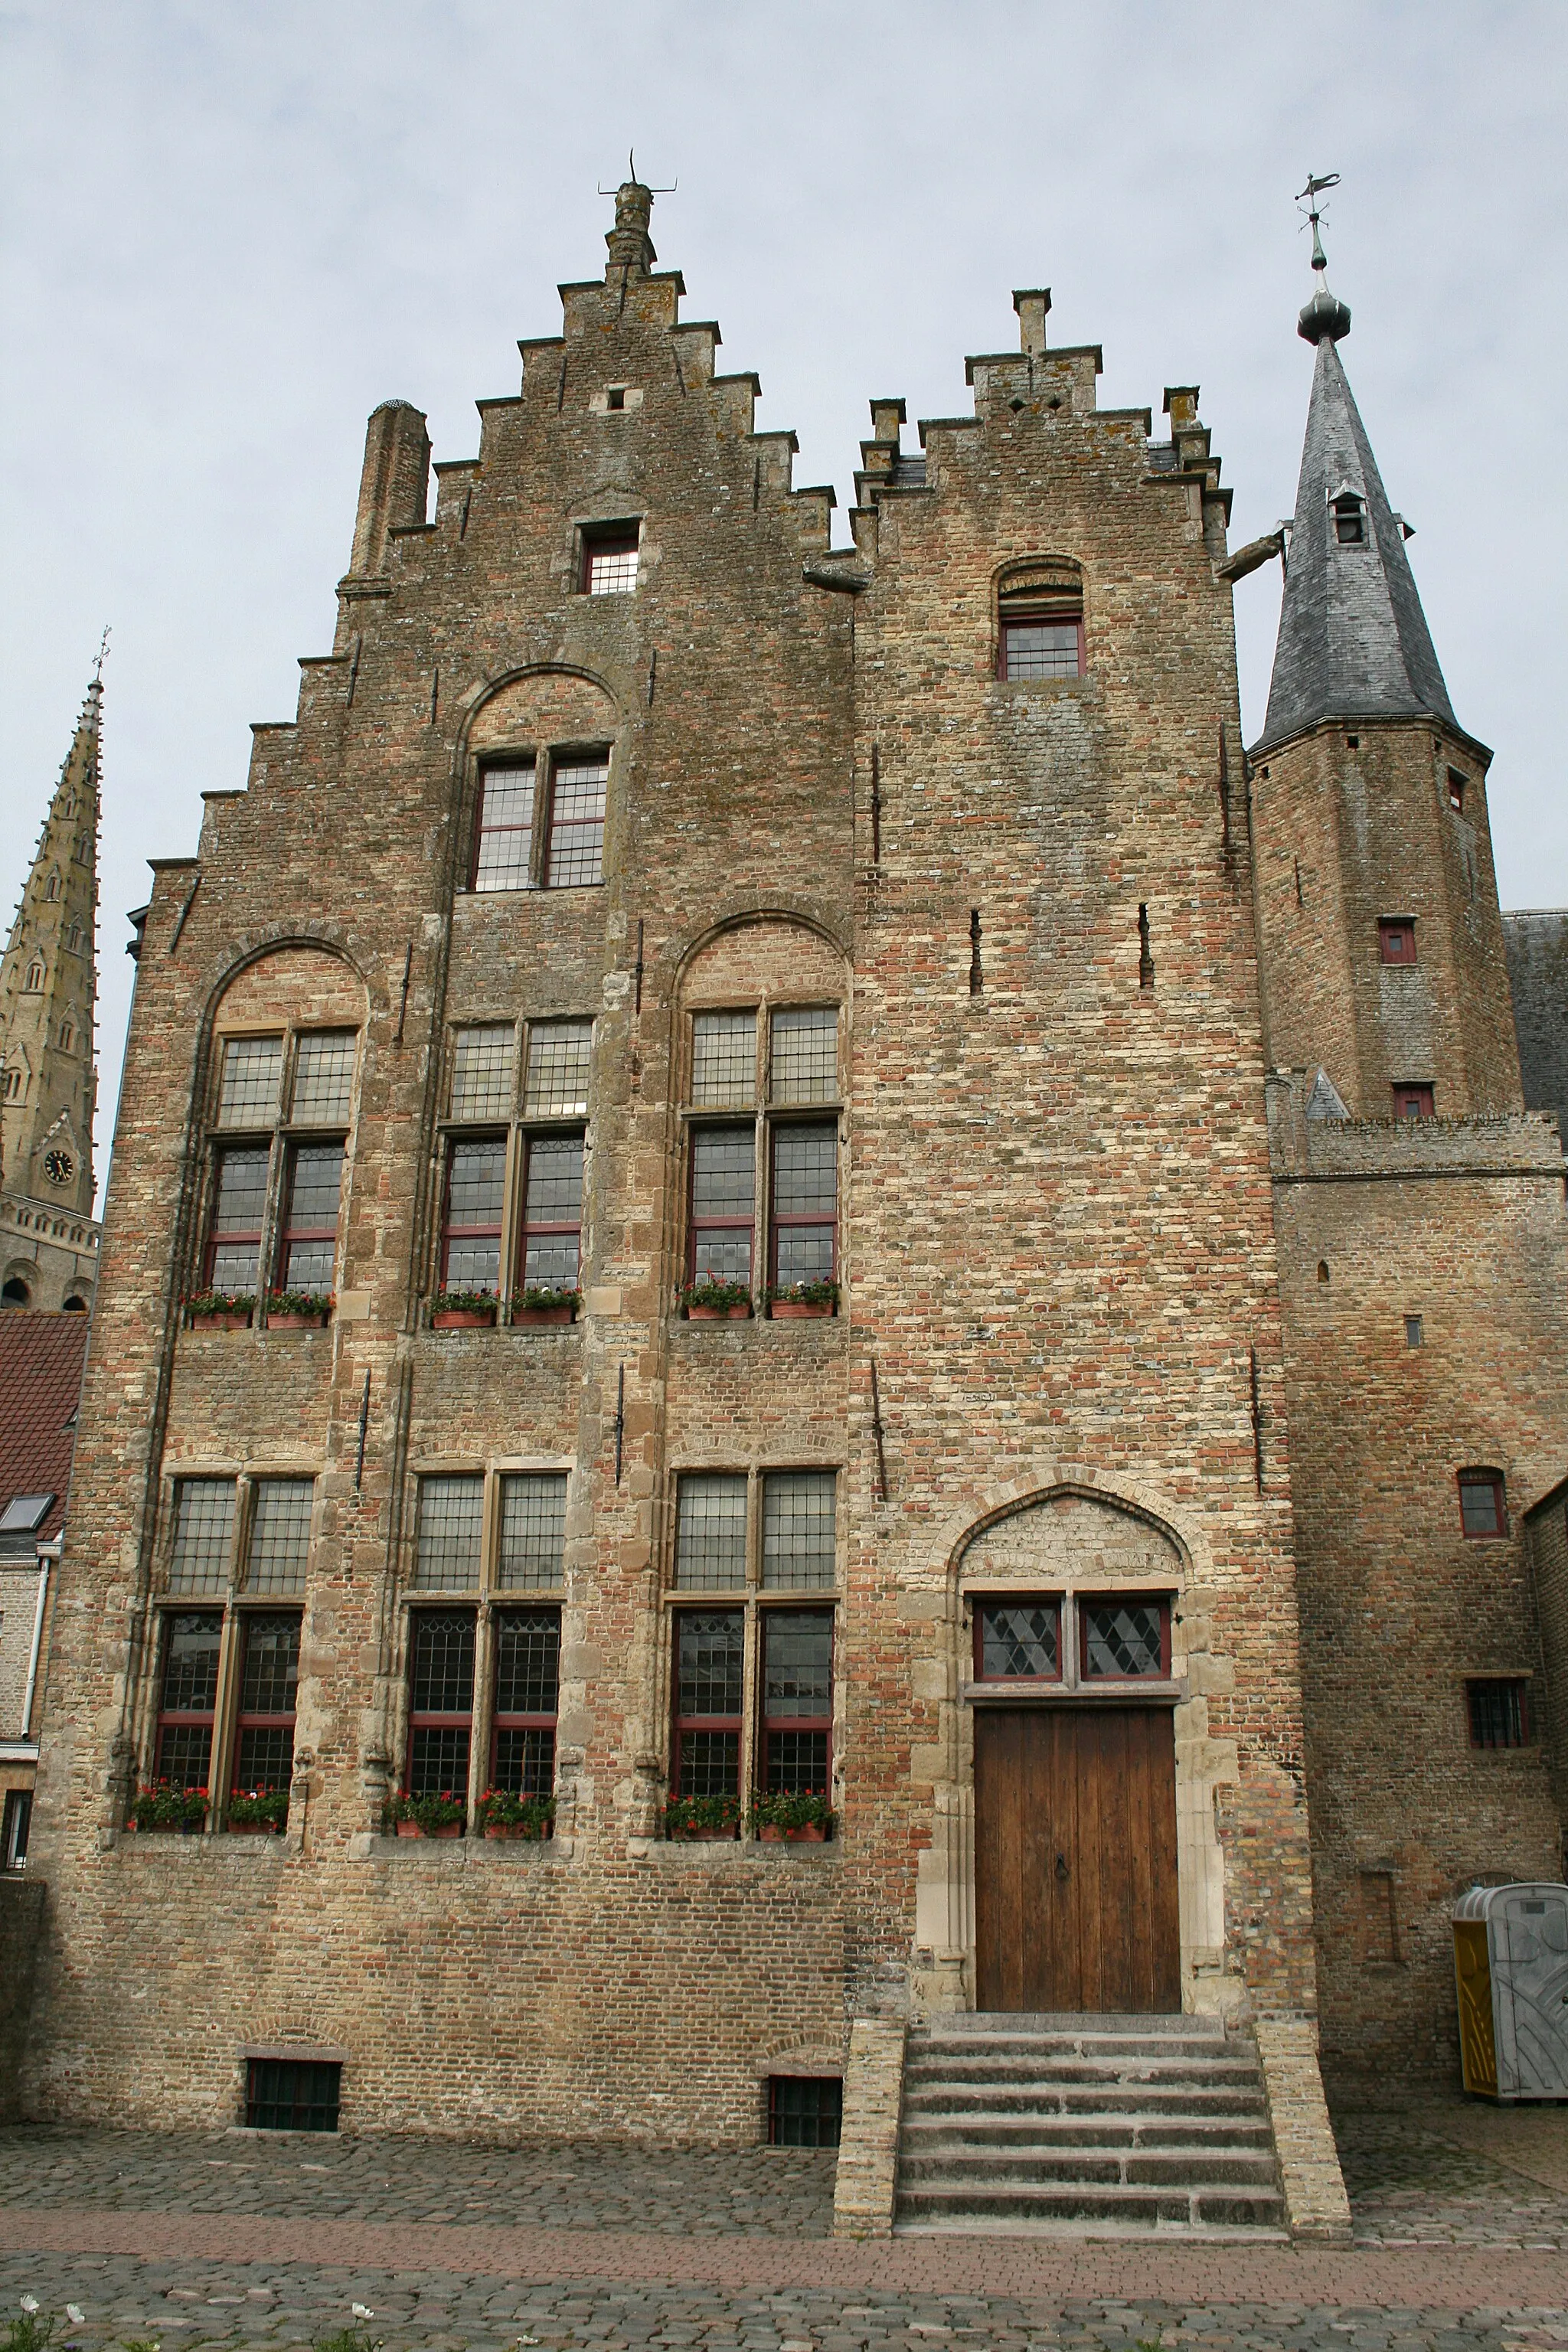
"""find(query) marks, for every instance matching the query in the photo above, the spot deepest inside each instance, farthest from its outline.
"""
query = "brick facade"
(1059, 1359)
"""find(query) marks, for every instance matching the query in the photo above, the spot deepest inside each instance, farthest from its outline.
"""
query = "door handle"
(1062, 1871)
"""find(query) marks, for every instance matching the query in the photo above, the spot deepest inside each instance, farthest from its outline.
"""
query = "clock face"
(59, 1166)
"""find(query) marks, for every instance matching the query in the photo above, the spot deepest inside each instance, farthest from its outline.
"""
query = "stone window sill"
(1151, 1693)
(461, 1853)
(715, 1854)
(216, 1851)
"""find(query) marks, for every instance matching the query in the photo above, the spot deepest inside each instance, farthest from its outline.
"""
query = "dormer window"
(1350, 519)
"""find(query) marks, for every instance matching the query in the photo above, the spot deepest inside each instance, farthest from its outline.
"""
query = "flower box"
(544, 1315)
(250, 1829)
(712, 1301)
(520, 1829)
(800, 1298)
(719, 1314)
(701, 1818)
(538, 1303)
(502, 1814)
(461, 1318)
(694, 1836)
(786, 1310)
(221, 1310)
(160, 1809)
(807, 1834)
(290, 1322)
(413, 1829)
(220, 1322)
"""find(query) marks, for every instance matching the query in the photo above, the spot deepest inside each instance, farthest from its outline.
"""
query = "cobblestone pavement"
(683, 2193)
(1409, 2185)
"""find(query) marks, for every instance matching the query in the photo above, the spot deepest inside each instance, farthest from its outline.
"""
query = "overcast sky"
(230, 230)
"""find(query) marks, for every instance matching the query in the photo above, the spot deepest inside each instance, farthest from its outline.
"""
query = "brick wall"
(1537, 948)
(21, 1931)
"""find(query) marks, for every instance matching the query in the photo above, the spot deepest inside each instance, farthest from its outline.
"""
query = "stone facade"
(1024, 910)
(1536, 945)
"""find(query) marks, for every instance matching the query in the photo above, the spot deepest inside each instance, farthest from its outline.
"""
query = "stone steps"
(1098, 2126)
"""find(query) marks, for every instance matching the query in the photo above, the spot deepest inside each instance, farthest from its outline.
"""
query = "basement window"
(1483, 1508)
(1396, 939)
(804, 2110)
(1499, 1716)
(292, 2093)
(609, 559)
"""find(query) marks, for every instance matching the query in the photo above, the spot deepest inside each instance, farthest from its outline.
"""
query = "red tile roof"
(41, 1359)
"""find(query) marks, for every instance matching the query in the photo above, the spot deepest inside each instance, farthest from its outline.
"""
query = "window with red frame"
(803, 1219)
(239, 1212)
(575, 854)
(1019, 1639)
(268, 1679)
(710, 1677)
(528, 1679)
(723, 1196)
(797, 1701)
(188, 1698)
(440, 1701)
(308, 1247)
(1498, 1709)
(1483, 1508)
(553, 1211)
(1396, 939)
(1412, 1099)
(1123, 1638)
(503, 831)
(476, 1200)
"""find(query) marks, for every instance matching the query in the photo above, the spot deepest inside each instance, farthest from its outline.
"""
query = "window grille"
(805, 1204)
(203, 1530)
(532, 1529)
(553, 1213)
(1481, 1507)
(806, 1054)
(268, 1679)
(1019, 1640)
(710, 1652)
(799, 1547)
(482, 1064)
(724, 1184)
(1499, 1717)
(1124, 1637)
(451, 1532)
(324, 1077)
(234, 1251)
(797, 1699)
(528, 1680)
(558, 1055)
(723, 1059)
(711, 1533)
(292, 2093)
(476, 1194)
(576, 853)
(504, 843)
(252, 1076)
(279, 1535)
(187, 1698)
(310, 1240)
(804, 2110)
(610, 566)
(441, 1702)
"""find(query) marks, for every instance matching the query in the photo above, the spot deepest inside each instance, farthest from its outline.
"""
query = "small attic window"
(25, 1514)
(1350, 519)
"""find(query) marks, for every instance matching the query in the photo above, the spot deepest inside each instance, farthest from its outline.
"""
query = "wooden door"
(1075, 1859)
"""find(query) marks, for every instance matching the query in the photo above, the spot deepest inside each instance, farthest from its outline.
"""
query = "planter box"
(704, 1837)
(460, 1318)
(789, 1310)
(718, 1313)
(296, 1322)
(808, 1834)
(516, 1829)
(544, 1315)
(412, 1829)
(220, 1322)
(166, 1829)
(253, 1829)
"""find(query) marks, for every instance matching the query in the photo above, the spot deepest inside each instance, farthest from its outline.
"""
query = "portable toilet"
(1511, 1967)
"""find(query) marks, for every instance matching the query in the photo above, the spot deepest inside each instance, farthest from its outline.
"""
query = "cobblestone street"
(216, 2239)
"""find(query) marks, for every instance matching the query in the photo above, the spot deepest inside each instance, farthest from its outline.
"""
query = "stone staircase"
(1086, 2125)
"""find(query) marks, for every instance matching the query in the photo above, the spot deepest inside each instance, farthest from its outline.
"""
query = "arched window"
(74, 1305)
(35, 979)
(68, 1036)
(1483, 1504)
(52, 888)
(1039, 621)
(16, 1292)
(15, 1080)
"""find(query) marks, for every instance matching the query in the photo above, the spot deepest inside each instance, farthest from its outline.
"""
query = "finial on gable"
(631, 246)
(1325, 314)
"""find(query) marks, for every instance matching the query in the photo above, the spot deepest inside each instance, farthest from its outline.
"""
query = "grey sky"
(231, 229)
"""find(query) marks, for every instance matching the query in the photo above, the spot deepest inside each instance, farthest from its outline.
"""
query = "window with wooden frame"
(575, 851)
(766, 1539)
(1498, 1707)
(1483, 1504)
(608, 558)
(527, 1697)
(440, 1701)
(243, 1544)
(503, 830)
(1039, 623)
(1413, 1099)
(539, 820)
(777, 1063)
(1456, 782)
(1396, 938)
(1071, 1640)
(1019, 1639)
(278, 1144)
(1124, 1637)
(513, 1215)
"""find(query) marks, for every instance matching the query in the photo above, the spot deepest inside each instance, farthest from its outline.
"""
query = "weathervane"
(632, 175)
(102, 651)
(1324, 315)
(1309, 196)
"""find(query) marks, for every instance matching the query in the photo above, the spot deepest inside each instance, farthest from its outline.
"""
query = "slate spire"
(1353, 640)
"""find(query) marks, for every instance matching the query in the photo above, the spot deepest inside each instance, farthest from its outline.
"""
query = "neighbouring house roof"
(41, 1357)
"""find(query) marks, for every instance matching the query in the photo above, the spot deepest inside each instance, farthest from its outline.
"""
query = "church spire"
(1354, 642)
(48, 990)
